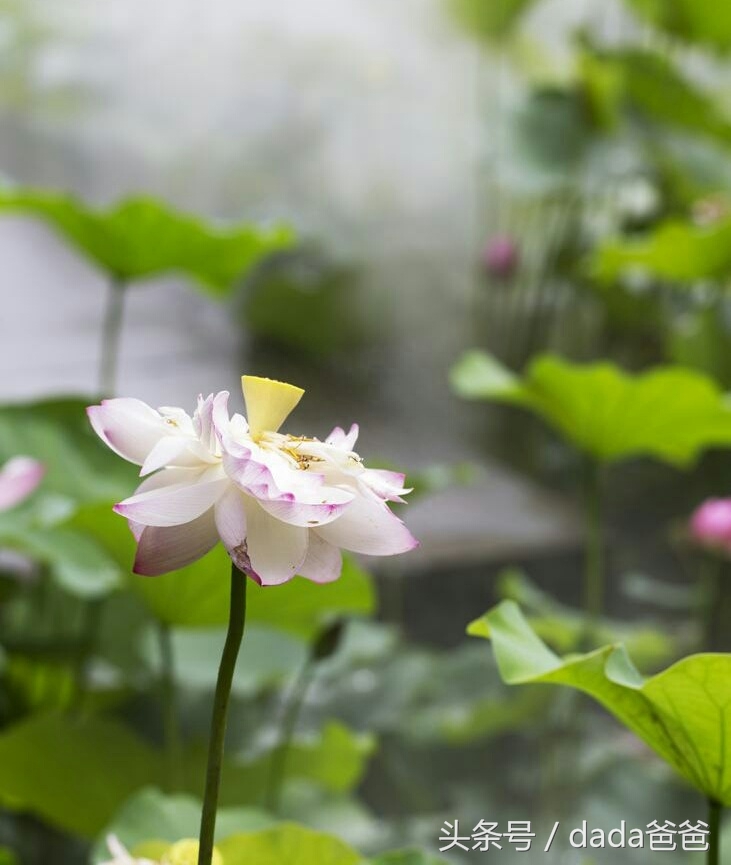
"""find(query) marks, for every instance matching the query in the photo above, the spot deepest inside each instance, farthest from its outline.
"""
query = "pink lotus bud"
(710, 524)
(501, 256)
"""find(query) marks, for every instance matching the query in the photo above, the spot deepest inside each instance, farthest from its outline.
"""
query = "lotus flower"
(282, 504)
(710, 525)
(18, 478)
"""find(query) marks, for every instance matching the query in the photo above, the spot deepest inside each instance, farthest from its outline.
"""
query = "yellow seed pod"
(268, 402)
(185, 852)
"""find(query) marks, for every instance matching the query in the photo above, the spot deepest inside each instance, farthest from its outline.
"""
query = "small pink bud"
(710, 524)
(501, 256)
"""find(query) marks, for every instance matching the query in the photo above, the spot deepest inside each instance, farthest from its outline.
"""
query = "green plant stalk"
(594, 577)
(290, 716)
(714, 829)
(170, 716)
(111, 335)
(236, 623)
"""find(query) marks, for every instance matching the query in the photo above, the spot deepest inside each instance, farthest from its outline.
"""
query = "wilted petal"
(231, 525)
(128, 426)
(18, 478)
(174, 504)
(323, 563)
(276, 550)
(163, 549)
(368, 526)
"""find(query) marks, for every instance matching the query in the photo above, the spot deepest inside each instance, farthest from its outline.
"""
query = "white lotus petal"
(368, 526)
(276, 550)
(323, 563)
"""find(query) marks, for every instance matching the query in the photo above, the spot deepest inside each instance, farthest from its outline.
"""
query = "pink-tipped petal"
(164, 549)
(309, 514)
(276, 550)
(18, 478)
(342, 440)
(385, 484)
(173, 505)
(368, 526)
(128, 426)
(324, 562)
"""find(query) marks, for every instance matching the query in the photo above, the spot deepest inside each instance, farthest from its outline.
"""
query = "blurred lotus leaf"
(288, 843)
(700, 339)
(408, 857)
(152, 814)
(56, 432)
(78, 470)
(565, 629)
(73, 772)
(680, 713)
(490, 21)
(268, 657)
(670, 413)
(703, 21)
(335, 758)
(675, 251)
(552, 128)
(300, 301)
(198, 595)
(650, 87)
(141, 237)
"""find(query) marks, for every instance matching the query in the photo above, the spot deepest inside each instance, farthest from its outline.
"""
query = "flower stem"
(236, 622)
(594, 548)
(714, 832)
(111, 333)
(168, 695)
(290, 716)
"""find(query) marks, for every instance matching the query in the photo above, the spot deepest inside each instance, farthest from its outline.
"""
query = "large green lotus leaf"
(142, 237)
(648, 84)
(56, 432)
(334, 758)
(681, 713)
(73, 772)
(674, 251)
(150, 814)
(198, 595)
(490, 21)
(288, 843)
(707, 22)
(670, 413)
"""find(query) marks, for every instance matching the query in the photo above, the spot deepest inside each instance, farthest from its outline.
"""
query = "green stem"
(169, 699)
(236, 622)
(111, 334)
(714, 832)
(594, 548)
(290, 716)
